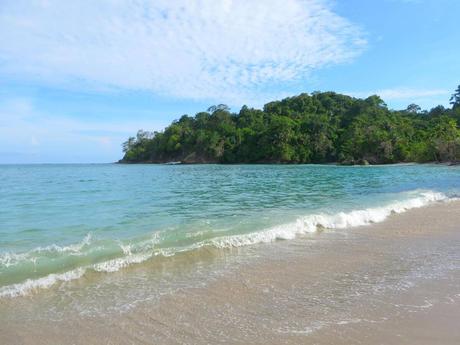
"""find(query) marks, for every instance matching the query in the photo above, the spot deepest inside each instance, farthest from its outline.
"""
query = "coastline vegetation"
(322, 127)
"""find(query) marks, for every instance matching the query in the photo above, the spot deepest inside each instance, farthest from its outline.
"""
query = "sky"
(77, 78)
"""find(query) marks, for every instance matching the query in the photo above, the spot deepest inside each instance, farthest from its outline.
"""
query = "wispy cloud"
(34, 136)
(406, 93)
(227, 50)
(407, 1)
(401, 93)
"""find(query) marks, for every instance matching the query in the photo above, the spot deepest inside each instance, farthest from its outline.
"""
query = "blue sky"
(77, 78)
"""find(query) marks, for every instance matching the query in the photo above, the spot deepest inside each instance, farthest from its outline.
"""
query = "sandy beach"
(395, 282)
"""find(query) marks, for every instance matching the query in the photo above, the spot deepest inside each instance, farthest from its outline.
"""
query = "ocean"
(62, 223)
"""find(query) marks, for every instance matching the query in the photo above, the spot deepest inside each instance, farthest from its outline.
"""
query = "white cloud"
(221, 50)
(408, 1)
(28, 135)
(401, 93)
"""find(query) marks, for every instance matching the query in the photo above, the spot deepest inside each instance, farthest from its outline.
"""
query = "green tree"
(455, 98)
(318, 128)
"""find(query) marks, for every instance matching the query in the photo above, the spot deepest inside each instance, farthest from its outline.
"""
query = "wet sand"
(396, 282)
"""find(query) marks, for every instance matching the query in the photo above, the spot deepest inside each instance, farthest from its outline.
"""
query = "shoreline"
(390, 282)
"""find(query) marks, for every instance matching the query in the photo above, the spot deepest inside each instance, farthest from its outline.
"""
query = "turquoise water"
(58, 222)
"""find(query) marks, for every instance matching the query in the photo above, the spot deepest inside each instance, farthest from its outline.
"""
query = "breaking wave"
(341, 220)
(129, 254)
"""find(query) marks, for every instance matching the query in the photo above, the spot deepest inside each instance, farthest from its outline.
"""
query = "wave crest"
(145, 250)
(341, 220)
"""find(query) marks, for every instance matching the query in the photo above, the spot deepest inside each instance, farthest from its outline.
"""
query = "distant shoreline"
(453, 163)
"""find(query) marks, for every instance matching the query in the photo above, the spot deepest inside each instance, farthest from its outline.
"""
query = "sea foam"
(11, 259)
(31, 285)
(314, 222)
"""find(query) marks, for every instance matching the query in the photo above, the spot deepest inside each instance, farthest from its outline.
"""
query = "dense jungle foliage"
(319, 128)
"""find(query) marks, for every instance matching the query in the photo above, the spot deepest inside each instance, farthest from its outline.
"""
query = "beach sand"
(395, 282)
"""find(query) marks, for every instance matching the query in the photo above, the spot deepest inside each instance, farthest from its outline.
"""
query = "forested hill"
(318, 128)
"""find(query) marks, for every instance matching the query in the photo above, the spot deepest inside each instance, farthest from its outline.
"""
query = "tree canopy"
(309, 128)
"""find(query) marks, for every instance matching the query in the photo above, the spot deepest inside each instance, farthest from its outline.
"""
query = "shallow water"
(359, 286)
(71, 222)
